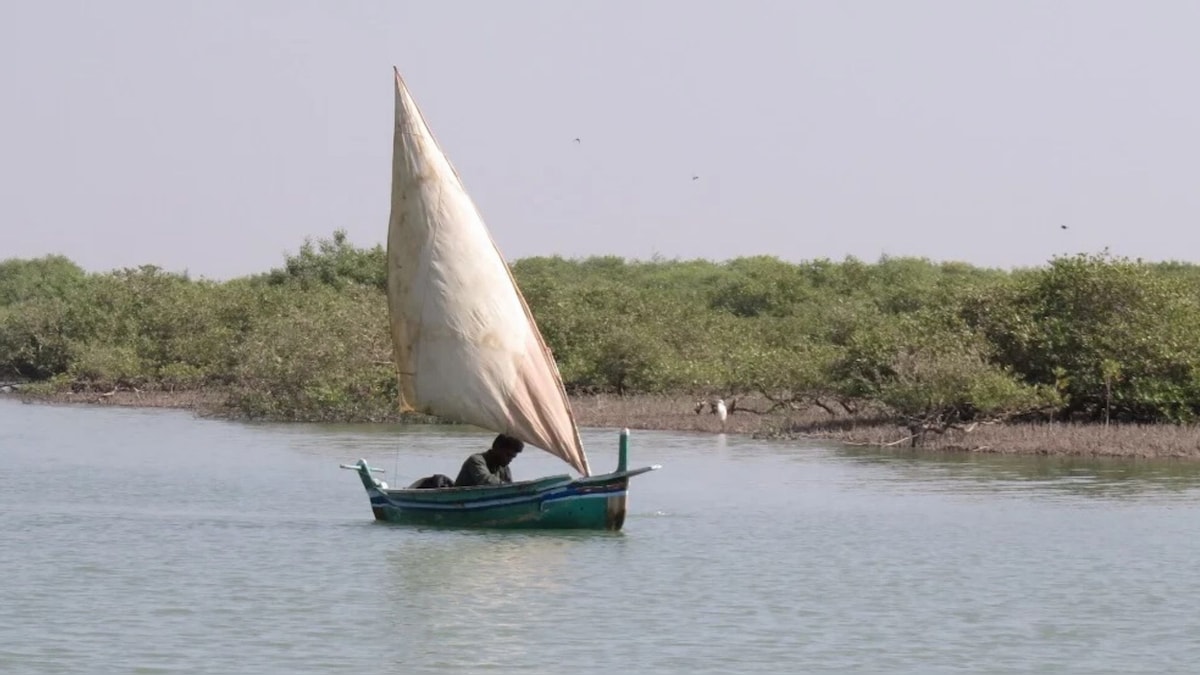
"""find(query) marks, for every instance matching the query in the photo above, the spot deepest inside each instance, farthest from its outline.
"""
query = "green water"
(140, 541)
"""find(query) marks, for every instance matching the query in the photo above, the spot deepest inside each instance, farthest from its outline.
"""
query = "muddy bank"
(208, 403)
(1058, 439)
(677, 413)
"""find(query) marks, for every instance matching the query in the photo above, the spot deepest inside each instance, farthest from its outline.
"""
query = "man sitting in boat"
(491, 466)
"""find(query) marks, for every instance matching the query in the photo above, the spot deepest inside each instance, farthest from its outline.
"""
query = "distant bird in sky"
(1063, 226)
(576, 140)
(695, 177)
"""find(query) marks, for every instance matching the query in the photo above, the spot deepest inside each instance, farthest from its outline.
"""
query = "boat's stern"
(613, 487)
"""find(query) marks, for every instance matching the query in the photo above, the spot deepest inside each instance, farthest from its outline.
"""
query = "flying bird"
(1063, 226)
(576, 140)
(695, 177)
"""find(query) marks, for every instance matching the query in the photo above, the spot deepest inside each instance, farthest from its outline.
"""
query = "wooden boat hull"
(553, 502)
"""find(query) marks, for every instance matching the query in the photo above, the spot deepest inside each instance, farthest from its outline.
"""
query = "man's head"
(505, 448)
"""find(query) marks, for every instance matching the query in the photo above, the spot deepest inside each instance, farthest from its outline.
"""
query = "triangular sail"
(466, 346)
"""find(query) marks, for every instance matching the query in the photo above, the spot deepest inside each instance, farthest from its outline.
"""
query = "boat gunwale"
(473, 492)
(532, 486)
(542, 498)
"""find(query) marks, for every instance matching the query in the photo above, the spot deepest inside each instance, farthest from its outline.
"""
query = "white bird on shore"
(721, 412)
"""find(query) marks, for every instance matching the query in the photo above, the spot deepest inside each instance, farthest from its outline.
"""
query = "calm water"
(135, 541)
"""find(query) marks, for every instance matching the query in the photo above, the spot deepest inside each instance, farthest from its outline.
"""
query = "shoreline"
(677, 413)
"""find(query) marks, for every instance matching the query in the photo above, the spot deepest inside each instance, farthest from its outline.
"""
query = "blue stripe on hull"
(382, 499)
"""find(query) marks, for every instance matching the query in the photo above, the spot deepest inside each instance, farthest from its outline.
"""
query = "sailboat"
(468, 350)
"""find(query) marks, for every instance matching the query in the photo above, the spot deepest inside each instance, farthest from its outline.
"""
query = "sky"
(214, 137)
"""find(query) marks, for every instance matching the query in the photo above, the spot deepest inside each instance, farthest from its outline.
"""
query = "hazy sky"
(215, 136)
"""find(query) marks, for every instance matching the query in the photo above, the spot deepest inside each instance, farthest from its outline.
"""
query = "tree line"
(934, 345)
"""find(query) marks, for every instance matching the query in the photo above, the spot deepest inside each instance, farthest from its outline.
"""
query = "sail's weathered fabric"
(466, 346)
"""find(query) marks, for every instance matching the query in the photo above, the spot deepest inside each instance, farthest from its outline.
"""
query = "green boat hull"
(552, 502)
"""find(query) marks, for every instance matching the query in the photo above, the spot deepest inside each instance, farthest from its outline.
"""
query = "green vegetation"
(934, 346)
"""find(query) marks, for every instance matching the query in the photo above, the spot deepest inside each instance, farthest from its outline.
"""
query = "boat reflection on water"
(474, 595)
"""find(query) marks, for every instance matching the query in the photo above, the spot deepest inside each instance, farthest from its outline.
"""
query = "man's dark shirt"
(475, 471)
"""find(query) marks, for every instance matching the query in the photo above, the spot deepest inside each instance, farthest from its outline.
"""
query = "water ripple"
(159, 543)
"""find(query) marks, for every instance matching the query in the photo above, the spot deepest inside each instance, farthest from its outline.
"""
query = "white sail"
(466, 347)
